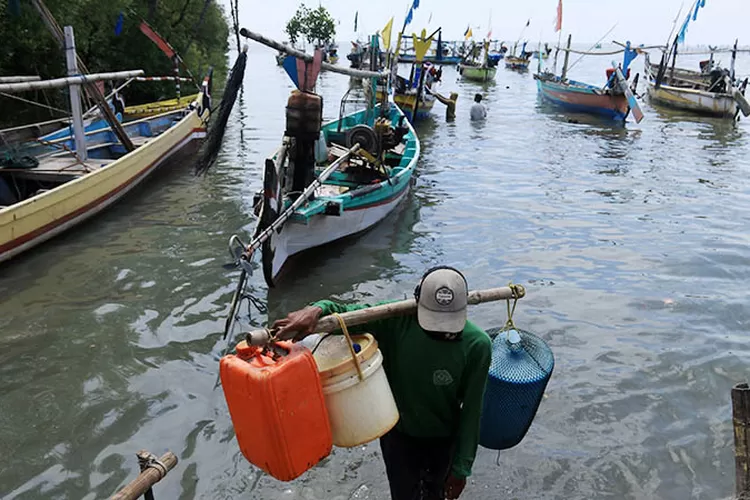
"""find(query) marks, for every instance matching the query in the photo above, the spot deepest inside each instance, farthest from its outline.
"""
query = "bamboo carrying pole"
(741, 424)
(358, 73)
(329, 324)
(149, 476)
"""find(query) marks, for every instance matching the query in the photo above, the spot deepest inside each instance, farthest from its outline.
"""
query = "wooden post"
(75, 95)
(564, 74)
(741, 424)
(152, 472)
(420, 89)
(177, 78)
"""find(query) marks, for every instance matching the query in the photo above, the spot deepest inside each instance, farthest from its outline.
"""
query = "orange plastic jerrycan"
(277, 407)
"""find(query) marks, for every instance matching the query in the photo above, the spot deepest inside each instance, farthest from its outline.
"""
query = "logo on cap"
(444, 296)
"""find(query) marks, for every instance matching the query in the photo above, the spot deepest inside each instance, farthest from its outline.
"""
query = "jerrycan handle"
(342, 323)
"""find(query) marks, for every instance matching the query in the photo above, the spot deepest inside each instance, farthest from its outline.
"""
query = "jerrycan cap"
(244, 349)
(512, 337)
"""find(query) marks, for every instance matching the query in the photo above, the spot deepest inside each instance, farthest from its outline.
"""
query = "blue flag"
(290, 66)
(698, 5)
(415, 5)
(628, 57)
(691, 16)
(119, 23)
(409, 17)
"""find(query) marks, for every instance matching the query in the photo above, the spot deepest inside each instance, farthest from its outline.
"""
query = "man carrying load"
(437, 364)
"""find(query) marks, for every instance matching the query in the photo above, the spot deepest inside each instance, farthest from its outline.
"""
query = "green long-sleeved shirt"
(438, 385)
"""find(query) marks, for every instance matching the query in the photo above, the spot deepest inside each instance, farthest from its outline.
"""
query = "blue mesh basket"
(521, 366)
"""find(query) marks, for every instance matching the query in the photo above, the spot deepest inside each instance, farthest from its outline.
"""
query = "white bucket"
(360, 411)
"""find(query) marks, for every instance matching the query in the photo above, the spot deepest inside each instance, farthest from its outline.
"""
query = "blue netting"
(518, 376)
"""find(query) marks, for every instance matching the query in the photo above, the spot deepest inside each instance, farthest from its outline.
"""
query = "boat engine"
(718, 85)
(304, 119)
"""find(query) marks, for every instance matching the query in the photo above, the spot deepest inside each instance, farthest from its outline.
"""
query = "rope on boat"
(27, 101)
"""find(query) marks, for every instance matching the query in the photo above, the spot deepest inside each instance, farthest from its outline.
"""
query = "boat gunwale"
(88, 176)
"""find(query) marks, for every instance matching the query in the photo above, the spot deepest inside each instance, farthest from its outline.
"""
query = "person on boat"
(478, 111)
(437, 364)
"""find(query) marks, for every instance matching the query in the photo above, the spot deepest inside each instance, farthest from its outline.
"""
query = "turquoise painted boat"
(353, 198)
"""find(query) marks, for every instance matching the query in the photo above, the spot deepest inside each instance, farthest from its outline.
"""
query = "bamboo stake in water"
(741, 424)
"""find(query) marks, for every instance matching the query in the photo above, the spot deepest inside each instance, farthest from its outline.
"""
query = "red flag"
(159, 41)
(558, 22)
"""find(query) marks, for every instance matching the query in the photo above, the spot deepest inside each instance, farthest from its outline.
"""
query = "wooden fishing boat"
(139, 111)
(478, 67)
(64, 190)
(712, 94)
(477, 73)
(517, 63)
(614, 100)
(356, 196)
(407, 101)
(414, 94)
(581, 97)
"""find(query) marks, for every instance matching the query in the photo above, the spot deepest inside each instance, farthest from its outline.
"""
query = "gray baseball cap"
(442, 301)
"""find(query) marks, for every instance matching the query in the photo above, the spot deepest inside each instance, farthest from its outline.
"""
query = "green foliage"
(316, 25)
(29, 48)
(297, 25)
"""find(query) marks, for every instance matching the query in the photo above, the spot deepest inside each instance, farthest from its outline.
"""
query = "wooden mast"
(564, 74)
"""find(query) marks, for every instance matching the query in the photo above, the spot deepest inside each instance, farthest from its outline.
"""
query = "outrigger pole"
(308, 57)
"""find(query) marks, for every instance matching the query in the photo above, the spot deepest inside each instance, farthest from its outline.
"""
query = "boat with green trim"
(362, 191)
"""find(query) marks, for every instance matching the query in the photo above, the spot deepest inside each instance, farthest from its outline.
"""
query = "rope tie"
(509, 325)
(350, 344)
(148, 460)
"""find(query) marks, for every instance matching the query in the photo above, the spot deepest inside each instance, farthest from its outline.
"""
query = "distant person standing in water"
(478, 111)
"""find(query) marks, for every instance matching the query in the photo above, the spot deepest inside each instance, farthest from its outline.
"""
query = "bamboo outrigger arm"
(329, 324)
(16, 79)
(68, 80)
(358, 73)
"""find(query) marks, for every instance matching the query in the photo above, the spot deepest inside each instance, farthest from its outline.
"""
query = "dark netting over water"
(518, 375)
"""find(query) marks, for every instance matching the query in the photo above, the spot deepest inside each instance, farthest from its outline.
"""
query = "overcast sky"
(640, 21)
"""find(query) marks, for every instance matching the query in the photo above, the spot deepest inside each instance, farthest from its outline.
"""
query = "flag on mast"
(468, 34)
(356, 15)
(558, 19)
(386, 34)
